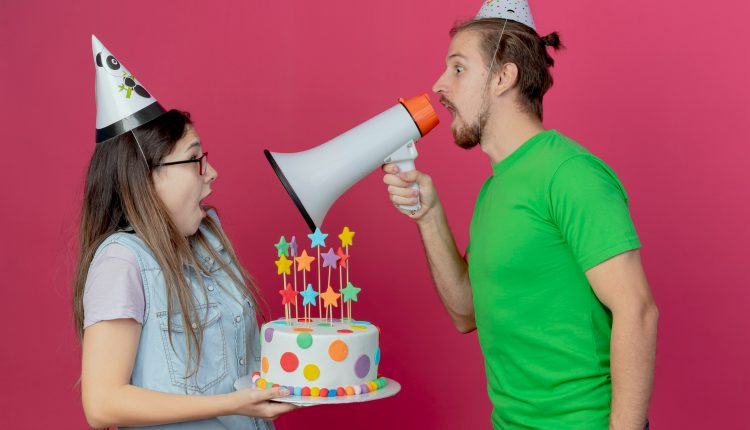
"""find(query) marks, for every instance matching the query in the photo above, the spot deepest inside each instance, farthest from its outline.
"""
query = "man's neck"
(505, 133)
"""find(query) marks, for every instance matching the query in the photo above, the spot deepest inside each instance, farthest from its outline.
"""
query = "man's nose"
(439, 87)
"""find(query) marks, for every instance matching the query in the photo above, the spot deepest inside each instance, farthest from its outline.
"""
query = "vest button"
(210, 288)
(242, 361)
(195, 325)
(238, 318)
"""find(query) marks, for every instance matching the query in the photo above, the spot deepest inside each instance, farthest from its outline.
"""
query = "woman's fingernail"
(284, 392)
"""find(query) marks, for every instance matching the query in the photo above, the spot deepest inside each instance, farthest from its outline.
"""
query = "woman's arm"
(109, 350)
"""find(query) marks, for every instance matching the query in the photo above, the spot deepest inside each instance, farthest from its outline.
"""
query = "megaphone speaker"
(315, 178)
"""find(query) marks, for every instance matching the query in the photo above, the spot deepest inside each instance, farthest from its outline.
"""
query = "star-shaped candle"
(350, 293)
(343, 256)
(330, 258)
(346, 237)
(303, 261)
(282, 247)
(282, 265)
(288, 294)
(293, 254)
(308, 295)
(318, 238)
(330, 297)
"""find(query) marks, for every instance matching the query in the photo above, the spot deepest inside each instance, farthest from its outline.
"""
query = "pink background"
(657, 89)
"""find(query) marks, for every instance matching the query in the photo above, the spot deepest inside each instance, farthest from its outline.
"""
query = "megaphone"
(315, 178)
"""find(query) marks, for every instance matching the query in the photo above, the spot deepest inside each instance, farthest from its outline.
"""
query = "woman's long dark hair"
(120, 193)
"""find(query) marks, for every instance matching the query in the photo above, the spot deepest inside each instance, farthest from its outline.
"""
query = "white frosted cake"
(318, 357)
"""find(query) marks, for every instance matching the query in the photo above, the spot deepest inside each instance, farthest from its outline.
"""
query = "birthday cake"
(327, 355)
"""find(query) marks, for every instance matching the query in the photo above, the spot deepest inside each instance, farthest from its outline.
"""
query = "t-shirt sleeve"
(590, 207)
(114, 288)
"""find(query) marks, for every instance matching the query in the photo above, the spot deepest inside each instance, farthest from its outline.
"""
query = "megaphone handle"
(408, 166)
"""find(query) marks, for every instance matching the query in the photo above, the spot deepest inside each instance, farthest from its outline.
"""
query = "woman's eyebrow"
(192, 145)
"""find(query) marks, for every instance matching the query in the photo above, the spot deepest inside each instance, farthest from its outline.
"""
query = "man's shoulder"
(551, 150)
(556, 148)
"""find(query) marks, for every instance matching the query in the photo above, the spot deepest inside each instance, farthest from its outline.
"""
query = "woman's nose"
(211, 173)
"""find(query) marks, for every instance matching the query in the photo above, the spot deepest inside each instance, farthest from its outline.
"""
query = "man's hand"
(401, 193)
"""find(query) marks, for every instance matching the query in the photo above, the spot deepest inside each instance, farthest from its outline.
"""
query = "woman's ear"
(505, 79)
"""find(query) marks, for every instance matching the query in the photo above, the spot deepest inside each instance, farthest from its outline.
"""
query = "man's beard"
(470, 135)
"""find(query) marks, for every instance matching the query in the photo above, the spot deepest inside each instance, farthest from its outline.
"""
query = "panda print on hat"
(516, 10)
(122, 103)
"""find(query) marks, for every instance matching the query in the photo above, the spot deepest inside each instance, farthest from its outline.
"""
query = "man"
(552, 279)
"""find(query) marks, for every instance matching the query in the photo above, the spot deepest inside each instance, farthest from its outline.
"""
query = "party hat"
(122, 103)
(516, 10)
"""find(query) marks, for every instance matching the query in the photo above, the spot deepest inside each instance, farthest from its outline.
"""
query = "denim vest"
(231, 344)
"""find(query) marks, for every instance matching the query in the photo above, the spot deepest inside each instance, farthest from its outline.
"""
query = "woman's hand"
(256, 403)
(401, 193)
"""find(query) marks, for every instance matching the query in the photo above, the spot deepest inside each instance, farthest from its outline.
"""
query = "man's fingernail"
(284, 392)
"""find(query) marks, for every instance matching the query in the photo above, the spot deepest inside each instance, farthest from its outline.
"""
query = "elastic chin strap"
(494, 55)
(485, 99)
(141, 149)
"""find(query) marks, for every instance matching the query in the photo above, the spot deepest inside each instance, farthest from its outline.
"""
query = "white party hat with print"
(122, 103)
(516, 10)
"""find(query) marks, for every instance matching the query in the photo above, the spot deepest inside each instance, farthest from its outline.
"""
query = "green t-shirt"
(550, 211)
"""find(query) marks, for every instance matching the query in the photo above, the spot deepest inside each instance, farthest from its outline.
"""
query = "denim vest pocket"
(213, 357)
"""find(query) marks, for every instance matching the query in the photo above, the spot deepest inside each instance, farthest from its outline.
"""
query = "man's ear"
(505, 79)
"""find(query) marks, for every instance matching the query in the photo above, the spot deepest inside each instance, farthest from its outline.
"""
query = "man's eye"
(459, 69)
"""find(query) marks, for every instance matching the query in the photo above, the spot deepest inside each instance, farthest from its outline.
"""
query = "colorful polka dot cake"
(323, 356)
(314, 355)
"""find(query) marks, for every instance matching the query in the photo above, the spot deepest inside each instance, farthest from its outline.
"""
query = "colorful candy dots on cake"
(382, 382)
(261, 383)
(268, 334)
(315, 391)
(362, 366)
(338, 350)
(364, 389)
(289, 362)
(302, 329)
(340, 391)
(311, 372)
(264, 364)
(349, 390)
(304, 340)
(345, 331)
(323, 392)
(377, 356)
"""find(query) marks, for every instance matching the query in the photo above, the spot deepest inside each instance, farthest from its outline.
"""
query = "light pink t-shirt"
(114, 288)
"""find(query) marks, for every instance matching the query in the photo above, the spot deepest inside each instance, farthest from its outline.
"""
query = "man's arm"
(449, 269)
(620, 283)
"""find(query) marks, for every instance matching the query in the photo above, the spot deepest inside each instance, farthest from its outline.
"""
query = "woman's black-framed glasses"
(202, 163)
